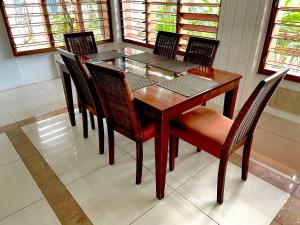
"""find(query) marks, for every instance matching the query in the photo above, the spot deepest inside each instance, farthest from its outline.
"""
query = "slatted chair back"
(201, 51)
(82, 43)
(117, 100)
(246, 121)
(166, 44)
(82, 81)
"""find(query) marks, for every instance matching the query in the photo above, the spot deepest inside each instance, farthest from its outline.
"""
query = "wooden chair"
(201, 51)
(221, 136)
(120, 112)
(82, 43)
(166, 44)
(86, 93)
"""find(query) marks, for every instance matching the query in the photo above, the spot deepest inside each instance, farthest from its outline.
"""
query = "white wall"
(242, 29)
(23, 70)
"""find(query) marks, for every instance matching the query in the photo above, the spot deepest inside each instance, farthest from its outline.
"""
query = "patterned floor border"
(69, 212)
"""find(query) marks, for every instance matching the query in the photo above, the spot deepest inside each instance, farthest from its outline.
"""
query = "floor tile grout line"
(32, 203)
(40, 185)
(101, 167)
(184, 197)
(272, 132)
(196, 174)
(144, 213)
(10, 162)
(267, 180)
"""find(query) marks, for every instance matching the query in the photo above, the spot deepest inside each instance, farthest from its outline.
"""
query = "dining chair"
(201, 51)
(166, 44)
(86, 93)
(121, 112)
(81, 43)
(221, 136)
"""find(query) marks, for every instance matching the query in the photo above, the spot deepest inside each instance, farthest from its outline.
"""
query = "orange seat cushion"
(204, 128)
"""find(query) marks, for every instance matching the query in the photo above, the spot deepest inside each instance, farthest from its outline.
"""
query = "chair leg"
(199, 150)
(246, 156)
(84, 121)
(79, 104)
(111, 144)
(100, 135)
(139, 161)
(203, 104)
(92, 121)
(221, 179)
(173, 151)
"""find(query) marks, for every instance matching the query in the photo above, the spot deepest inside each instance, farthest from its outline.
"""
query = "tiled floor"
(21, 201)
(108, 194)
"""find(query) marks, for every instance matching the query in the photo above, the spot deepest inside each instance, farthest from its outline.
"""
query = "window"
(141, 19)
(36, 26)
(282, 43)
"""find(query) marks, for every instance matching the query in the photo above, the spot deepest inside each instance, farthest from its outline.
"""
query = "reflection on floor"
(108, 195)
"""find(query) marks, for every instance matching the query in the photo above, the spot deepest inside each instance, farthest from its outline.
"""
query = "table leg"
(229, 102)
(66, 81)
(161, 155)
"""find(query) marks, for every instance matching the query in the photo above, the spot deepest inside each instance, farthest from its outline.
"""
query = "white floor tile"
(28, 101)
(174, 210)
(110, 195)
(18, 189)
(7, 151)
(252, 202)
(39, 213)
(66, 151)
(5, 117)
(188, 163)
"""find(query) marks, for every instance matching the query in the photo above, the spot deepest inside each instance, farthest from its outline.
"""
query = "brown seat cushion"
(204, 128)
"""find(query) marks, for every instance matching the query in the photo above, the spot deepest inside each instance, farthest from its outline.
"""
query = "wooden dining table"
(163, 104)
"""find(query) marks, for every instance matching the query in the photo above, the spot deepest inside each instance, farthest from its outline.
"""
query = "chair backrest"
(82, 43)
(82, 81)
(166, 44)
(117, 99)
(201, 51)
(246, 121)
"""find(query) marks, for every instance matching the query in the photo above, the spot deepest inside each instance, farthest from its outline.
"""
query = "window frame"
(49, 32)
(177, 24)
(267, 42)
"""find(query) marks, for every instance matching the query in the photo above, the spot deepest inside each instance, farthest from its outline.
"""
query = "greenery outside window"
(36, 26)
(142, 19)
(282, 43)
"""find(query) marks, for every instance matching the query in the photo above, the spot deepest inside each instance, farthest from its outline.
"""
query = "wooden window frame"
(49, 32)
(268, 38)
(147, 45)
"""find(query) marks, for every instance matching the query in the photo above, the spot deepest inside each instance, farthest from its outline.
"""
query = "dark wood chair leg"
(84, 121)
(79, 104)
(111, 145)
(100, 135)
(246, 157)
(172, 152)
(139, 161)
(199, 150)
(221, 179)
(92, 121)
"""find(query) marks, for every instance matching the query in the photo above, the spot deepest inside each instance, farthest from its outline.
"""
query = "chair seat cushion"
(204, 128)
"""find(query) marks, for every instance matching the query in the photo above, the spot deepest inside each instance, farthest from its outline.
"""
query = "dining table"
(176, 90)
